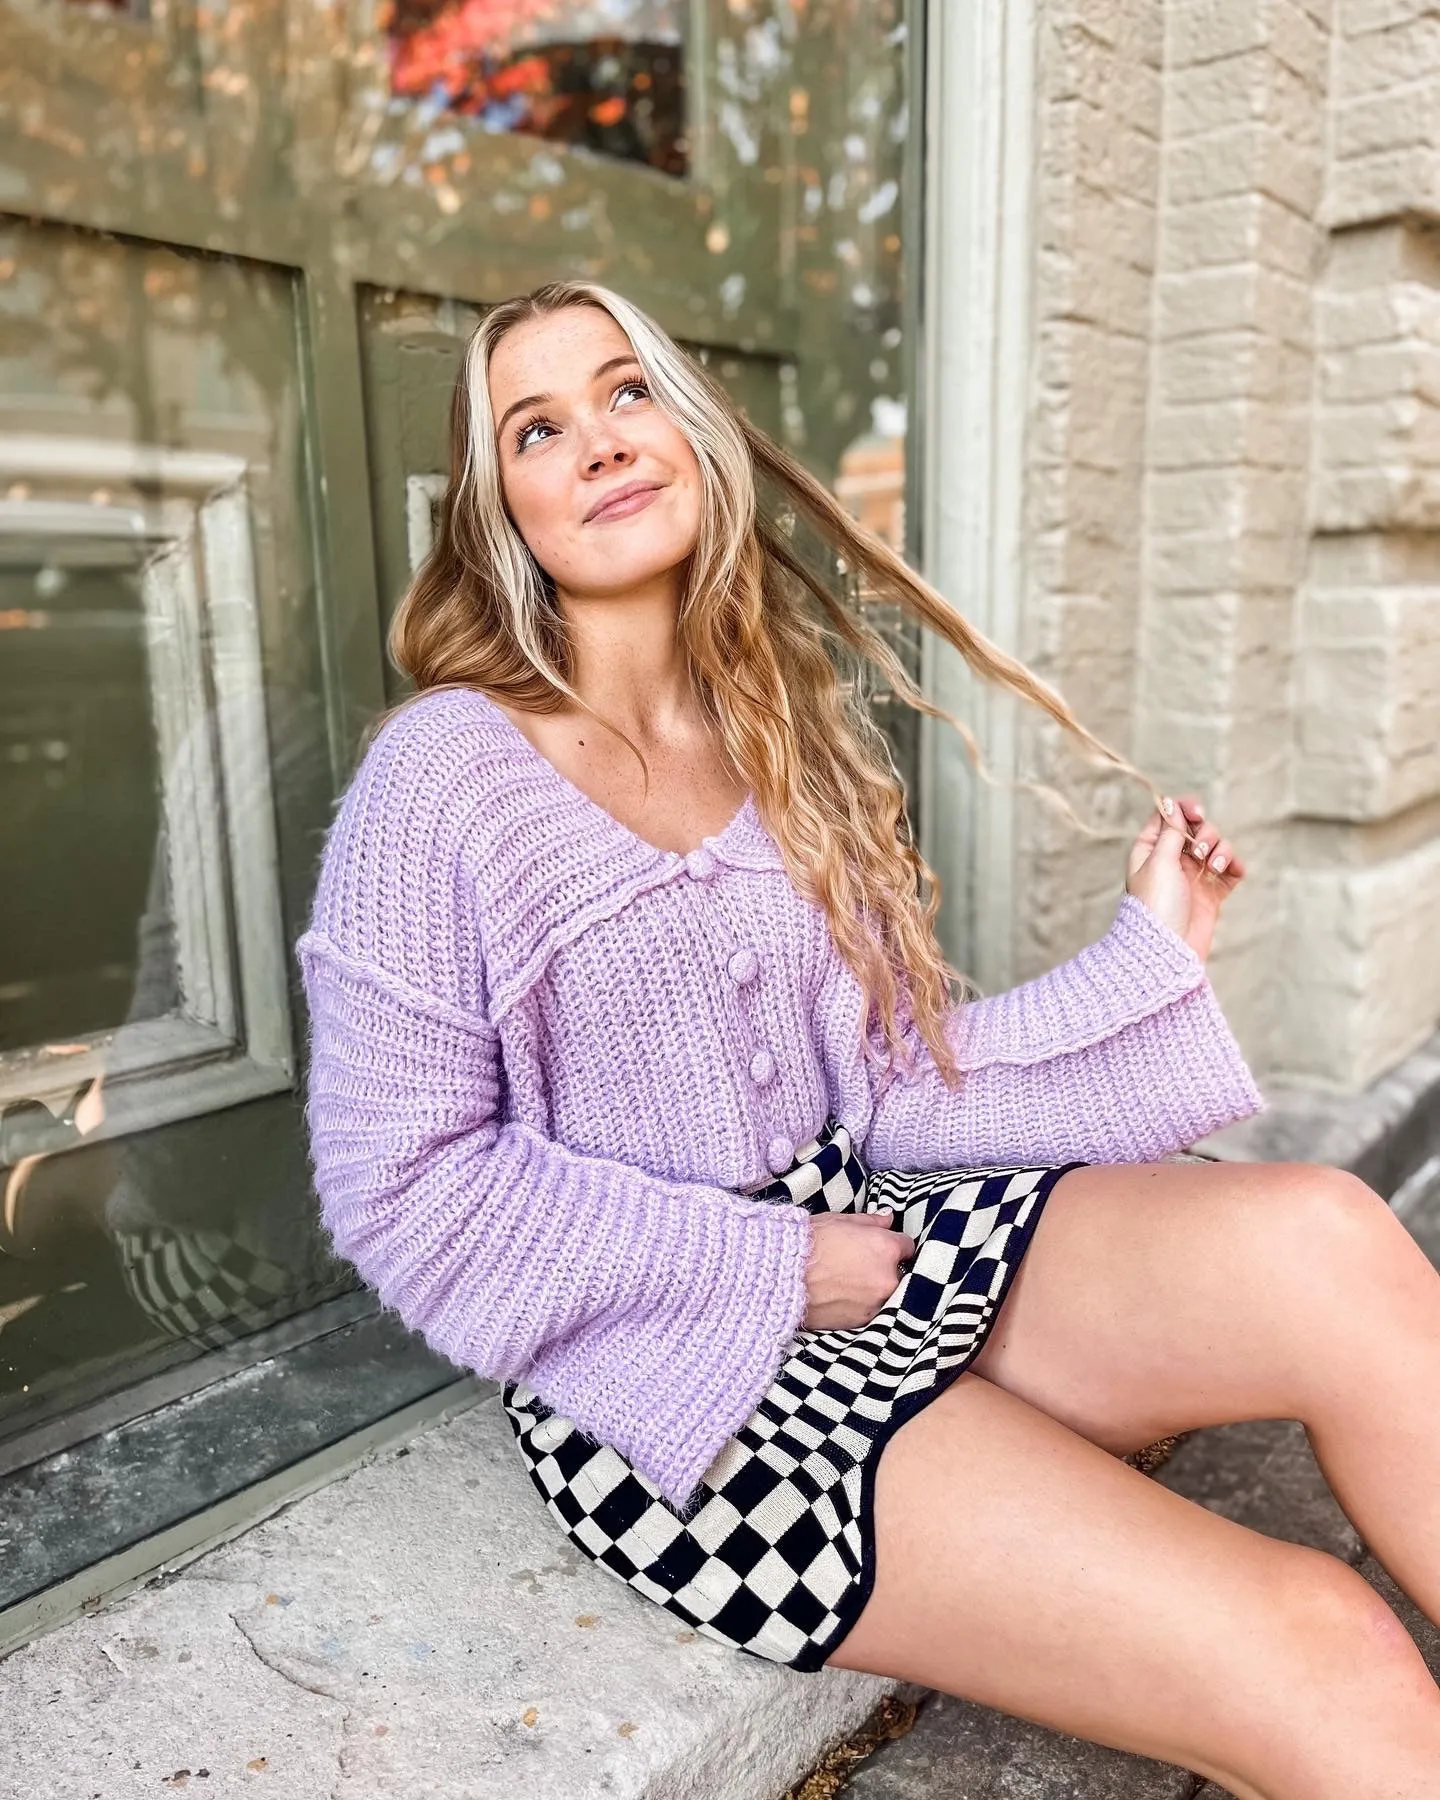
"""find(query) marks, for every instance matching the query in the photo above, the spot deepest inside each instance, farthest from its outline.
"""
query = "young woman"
(825, 1304)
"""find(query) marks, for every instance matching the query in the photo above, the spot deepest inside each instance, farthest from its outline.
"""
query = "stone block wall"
(1097, 182)
(1233, 510)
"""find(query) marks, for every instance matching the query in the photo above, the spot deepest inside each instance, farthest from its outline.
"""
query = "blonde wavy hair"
(765, 634)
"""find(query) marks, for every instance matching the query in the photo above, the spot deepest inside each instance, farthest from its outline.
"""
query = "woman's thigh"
(1164, 1297)
(1019, 1565)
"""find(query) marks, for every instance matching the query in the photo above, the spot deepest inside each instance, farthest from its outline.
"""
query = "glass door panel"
(605, 78)
(242, 249)
(159, 717)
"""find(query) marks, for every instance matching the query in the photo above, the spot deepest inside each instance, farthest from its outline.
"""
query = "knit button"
(762, 1067)
(779, 1154)
(743, 966)
(700, 863)
(550, 1433)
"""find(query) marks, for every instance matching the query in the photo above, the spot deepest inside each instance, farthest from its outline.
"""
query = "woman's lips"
(621, 505)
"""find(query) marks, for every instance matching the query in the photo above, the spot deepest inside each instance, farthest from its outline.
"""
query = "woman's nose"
(606, 454)
(602, 444)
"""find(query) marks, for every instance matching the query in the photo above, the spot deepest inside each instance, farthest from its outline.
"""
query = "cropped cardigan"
(548, 1059)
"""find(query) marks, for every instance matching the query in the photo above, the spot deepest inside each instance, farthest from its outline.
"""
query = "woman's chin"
(615, 575)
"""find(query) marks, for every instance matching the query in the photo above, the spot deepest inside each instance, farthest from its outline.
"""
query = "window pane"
(607, 77)
(82, 909)
(160, 729)
(161, 445)
(133, 9)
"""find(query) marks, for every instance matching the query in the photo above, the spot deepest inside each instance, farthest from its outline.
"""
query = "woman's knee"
(1319, 1223)
(1336, 1627)
(1324, 1669)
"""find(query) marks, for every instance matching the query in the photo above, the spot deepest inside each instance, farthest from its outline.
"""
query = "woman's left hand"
(1184, 883)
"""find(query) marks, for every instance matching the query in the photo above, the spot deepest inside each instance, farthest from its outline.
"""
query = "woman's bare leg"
(1019, 1565)
(1157, 1299)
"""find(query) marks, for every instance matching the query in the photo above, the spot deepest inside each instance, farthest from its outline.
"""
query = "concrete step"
(1261, 1475)
(420, 1627)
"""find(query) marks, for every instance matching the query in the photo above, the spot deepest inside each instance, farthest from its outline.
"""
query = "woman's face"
(602, 486)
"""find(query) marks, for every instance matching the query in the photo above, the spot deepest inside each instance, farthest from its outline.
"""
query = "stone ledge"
(420, 1627)
(1389, 1134)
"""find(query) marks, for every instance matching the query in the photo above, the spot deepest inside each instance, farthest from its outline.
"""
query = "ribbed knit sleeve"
(1119, 1055)
(654, 1313)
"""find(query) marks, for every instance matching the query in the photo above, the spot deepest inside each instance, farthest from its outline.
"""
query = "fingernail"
(1167, 806)
(1202, 850)
(1218, 863)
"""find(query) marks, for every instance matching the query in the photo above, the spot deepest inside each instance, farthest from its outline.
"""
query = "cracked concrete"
(419, 1628)
(309, 1687)
(160, 1694)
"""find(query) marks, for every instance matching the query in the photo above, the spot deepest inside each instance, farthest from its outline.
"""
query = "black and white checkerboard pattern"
(202, 1286)
(775, 1558)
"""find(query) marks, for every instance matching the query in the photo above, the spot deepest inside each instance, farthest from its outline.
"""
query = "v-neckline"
(603, 813)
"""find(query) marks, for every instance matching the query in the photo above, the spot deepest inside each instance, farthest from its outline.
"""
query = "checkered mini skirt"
(777, 1558)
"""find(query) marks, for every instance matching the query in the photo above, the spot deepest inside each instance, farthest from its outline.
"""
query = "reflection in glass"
(154, 1200)
(79, 785)
(161, 712)
(134, 9)
(607, 77)
(871, 485)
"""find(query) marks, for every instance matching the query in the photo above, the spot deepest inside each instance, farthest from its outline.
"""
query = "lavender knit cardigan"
(548, 1058)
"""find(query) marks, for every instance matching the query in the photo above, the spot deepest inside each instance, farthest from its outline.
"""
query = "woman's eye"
(522, 436)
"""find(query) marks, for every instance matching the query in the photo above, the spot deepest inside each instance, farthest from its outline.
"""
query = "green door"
(240, 248)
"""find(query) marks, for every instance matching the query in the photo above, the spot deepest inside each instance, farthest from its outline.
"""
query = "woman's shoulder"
(430, 789)
(433, 770)
(430, 742)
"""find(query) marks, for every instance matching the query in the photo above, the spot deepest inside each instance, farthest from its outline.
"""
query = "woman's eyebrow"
(615, 362)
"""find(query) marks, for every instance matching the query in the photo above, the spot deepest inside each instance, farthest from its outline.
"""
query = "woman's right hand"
(853, 1268)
